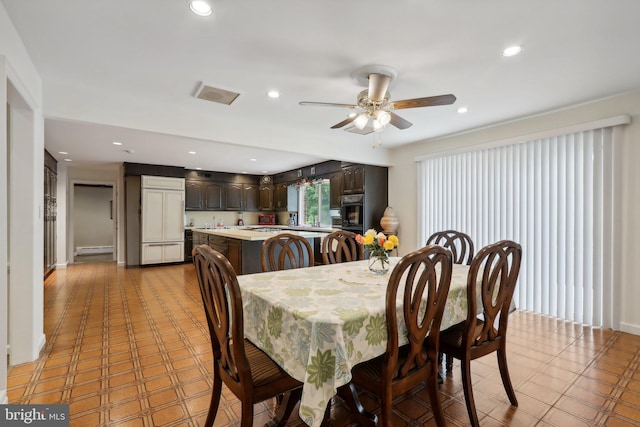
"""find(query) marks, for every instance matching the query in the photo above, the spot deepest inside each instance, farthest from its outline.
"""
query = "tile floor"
(129, 347)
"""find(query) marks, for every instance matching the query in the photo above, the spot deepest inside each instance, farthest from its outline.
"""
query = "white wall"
(21, 198)
(403, 179)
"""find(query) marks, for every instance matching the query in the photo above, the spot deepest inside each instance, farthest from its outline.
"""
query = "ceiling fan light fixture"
(377, 126)
(383, 117)
(361, 121)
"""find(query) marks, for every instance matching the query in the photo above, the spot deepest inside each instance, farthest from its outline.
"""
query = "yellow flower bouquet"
(378, 245)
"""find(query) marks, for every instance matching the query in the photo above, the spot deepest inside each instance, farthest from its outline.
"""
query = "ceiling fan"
(375, 101)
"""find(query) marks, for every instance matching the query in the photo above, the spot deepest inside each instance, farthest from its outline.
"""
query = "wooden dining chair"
(341, 246)
(245, 369)
(285, 251)
(423, 278)
(460, 244)
(492, 278)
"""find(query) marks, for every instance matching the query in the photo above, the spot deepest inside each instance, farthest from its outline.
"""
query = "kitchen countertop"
(263, 232)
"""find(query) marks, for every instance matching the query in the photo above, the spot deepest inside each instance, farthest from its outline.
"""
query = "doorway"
(93, 236)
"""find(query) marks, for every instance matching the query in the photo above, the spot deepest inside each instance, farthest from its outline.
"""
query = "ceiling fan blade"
(428, 101)
(325, 104)
(344, 122)
(398, 121)
(378, 85)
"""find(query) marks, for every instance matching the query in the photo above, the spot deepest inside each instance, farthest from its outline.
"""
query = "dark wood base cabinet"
(244, 255)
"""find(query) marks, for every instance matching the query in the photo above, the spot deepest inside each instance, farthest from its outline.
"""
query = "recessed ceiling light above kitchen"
(117, 143)
(462, 110)
(273, 94)
(200, 7)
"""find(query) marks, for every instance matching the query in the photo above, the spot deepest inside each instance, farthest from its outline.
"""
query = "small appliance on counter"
(293, 219)
(267, 219)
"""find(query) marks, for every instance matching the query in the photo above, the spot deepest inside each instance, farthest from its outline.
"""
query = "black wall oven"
(352, 212)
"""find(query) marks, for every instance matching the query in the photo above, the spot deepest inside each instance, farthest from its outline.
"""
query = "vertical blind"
(554, 196)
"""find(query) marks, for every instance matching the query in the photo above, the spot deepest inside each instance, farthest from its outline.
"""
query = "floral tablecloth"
(319, 322)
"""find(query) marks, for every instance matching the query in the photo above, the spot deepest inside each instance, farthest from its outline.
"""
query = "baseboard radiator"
(94, 250)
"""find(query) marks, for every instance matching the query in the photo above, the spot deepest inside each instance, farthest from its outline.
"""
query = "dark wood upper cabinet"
(280, 197)
(242, 197)
(214, 196)
(193, 196)
(353, 179)
(266, 197)
(234, 197)
(335, 190)
(251, 197)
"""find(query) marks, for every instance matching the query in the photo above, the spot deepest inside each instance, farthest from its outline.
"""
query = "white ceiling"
(122, 70)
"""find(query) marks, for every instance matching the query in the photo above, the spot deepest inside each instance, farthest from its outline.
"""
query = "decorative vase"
(379, 263)
(389, 221)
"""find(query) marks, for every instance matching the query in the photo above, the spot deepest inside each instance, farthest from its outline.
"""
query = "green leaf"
(322, 368)
(376, 330)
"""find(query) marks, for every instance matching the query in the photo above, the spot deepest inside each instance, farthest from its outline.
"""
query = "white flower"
(370, 232)
(381, 235)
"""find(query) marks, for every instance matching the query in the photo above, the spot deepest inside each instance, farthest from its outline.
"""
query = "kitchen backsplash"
(200, 218)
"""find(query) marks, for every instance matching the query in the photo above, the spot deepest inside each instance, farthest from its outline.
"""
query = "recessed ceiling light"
(245, 172)
(192, 152)
(273, 94)
(117, 143)
(512, 50)
(200, 7)
(198, 169)
(265, 171)
(253, 160)
(62, 152)
(462, 110)
(68, 160)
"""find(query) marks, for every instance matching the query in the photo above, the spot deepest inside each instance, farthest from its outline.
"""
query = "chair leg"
(386, 410)
(215, 400)
(349, 394)
(465, 366)
(432, 382)
(287, 404)
(246, 413)
(449, 363)
(506, 379)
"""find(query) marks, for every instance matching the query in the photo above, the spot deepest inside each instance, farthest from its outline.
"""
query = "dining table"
(318, 322)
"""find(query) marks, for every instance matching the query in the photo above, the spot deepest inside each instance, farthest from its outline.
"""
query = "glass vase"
(379, 263)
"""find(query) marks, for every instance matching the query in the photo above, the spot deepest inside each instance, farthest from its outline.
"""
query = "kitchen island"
(242, 245)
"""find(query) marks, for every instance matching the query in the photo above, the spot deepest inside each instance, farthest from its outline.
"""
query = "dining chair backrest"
(460, 244)
(245, 369)
(341, 246)
(495, 268)
(424, 277)
(285, 251)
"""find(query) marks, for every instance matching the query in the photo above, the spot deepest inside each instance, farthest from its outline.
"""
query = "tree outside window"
(314, 204)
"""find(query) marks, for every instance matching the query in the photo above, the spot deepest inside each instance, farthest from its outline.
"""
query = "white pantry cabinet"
(162, 220)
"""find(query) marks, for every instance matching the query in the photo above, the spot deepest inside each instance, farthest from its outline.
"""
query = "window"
(556, 196)
(313, 204)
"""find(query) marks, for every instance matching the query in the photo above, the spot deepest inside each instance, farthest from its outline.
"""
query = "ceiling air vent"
(214, 94)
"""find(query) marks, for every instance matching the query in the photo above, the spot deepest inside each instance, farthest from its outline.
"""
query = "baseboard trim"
(42, 342)
(62, 264)
(630, 328)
